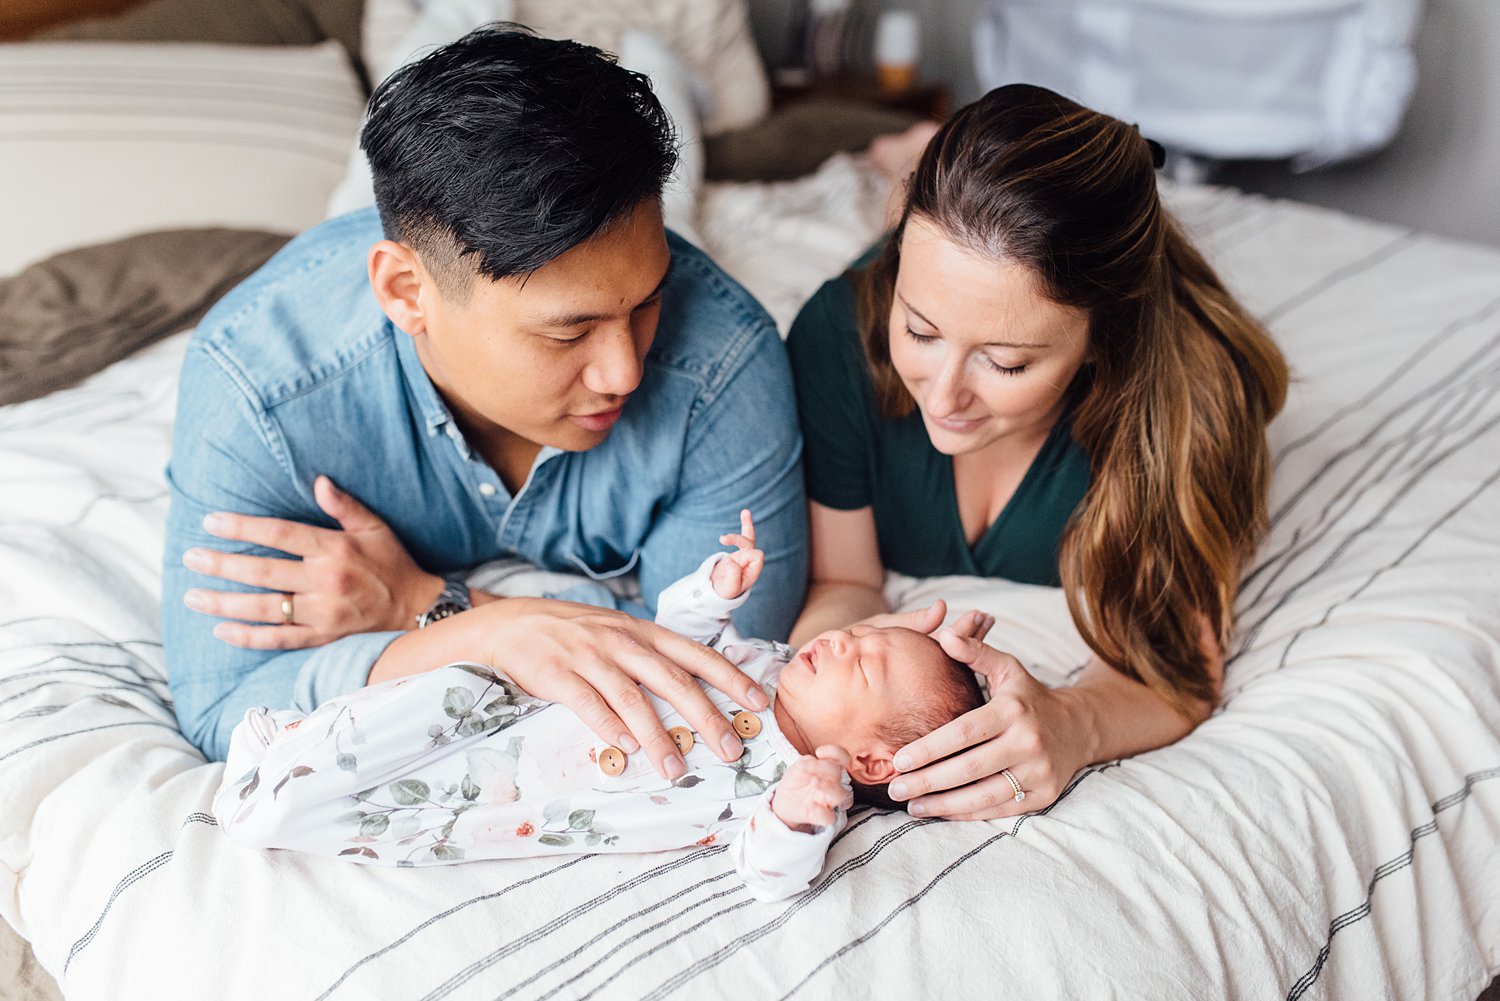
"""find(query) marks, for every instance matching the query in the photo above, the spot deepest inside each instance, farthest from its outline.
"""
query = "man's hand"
(356, 579)
(813, 789)
(593, 660)
(738, 571)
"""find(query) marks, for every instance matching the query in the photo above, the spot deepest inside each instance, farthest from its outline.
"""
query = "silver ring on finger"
(1014, 784)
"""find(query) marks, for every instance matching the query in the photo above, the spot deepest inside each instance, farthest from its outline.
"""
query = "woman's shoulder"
(825, 337)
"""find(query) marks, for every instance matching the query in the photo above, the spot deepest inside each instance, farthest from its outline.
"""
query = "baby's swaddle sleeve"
(776, 861)
(692, 607)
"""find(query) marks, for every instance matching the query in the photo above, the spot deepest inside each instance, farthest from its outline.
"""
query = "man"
(515, 358)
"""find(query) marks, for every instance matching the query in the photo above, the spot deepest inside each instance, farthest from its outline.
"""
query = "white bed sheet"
(1333, 832)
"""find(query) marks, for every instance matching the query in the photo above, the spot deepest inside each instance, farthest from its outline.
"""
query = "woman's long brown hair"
(1172, 408)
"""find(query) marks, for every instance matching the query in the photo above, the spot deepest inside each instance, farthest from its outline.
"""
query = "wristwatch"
(454, 599)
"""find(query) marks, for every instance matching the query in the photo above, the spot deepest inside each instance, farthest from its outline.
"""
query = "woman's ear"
(873, 767)
(400, 285)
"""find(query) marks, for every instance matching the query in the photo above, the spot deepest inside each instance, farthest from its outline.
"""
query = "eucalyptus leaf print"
(457, 702)
(410, 792)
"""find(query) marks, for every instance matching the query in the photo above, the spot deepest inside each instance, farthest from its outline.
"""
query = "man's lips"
(599, 420)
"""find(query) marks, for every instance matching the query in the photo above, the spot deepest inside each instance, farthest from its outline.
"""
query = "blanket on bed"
(1333, 831)
(67, 317)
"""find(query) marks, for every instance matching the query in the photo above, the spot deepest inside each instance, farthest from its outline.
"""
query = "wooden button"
(611, 761)
(746, 724)
(682, 737)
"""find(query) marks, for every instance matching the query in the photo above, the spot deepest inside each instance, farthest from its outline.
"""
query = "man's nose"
(615, 369)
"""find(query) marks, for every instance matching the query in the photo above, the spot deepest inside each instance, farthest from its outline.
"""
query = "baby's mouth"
(810, 655)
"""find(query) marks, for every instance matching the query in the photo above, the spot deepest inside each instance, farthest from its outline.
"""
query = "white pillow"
(712, 36)
(102, 140)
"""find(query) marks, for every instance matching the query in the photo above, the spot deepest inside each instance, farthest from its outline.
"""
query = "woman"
(1037, 377)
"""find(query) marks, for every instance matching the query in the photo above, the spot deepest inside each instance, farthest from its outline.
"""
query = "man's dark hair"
(509, 150)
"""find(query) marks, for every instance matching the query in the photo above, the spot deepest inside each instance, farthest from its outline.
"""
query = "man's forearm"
(835, 604)
(1122, 716)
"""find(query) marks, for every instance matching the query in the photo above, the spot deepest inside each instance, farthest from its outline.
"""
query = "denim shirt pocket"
(606, 573)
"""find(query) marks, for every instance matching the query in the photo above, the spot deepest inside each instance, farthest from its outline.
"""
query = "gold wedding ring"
(1020, 793)
(286, 610)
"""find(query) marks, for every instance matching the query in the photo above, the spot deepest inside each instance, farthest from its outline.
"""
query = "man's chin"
(569, 437)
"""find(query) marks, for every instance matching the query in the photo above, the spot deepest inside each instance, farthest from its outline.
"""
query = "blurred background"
(1439, 171)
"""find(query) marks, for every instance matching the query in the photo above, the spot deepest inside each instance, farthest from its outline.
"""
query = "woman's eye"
(1003, 369)
(919, 338)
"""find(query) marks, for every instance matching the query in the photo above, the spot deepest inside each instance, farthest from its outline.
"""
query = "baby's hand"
(812, 789)
(737, 572)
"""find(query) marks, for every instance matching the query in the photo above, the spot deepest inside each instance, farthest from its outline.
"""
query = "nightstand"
(928, 100)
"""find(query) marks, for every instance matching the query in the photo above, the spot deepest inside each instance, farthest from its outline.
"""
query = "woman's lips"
(948, 424)
(601, 420)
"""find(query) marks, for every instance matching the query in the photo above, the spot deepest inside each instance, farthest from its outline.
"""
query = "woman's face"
(984, 353)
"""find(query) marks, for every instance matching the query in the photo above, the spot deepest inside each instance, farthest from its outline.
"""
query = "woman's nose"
(947, 394)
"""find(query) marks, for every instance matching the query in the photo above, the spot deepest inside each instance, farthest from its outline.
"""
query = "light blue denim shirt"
(298, 373)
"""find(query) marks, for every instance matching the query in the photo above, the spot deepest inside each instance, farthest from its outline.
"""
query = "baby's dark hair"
(955, 693)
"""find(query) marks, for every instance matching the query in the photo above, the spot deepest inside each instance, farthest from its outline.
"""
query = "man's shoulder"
(306, 316)
(709, 324)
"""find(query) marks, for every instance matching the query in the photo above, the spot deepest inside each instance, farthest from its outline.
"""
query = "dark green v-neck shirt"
(856, 458)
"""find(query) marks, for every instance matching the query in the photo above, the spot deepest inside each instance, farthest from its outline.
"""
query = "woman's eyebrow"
(989, 344)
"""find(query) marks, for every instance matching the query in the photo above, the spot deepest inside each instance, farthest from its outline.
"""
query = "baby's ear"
(873, 767)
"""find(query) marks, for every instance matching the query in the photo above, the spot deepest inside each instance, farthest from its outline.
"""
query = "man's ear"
(402, 285)
(873, 767)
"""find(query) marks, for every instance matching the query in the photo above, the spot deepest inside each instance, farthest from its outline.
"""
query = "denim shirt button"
(488, 489)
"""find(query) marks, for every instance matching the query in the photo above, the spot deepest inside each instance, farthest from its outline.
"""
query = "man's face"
(552, 359)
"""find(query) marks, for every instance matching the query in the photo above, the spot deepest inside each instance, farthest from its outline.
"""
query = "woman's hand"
(972, 624)
(813, 789)
(1037, 733)
(356, 580)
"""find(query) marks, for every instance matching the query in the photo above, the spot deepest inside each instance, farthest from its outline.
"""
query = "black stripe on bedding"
(1249, 636)
(331, 153)
(81, 666)
(796, 904)
(93, 729)
(614, 891)
(138, 873)
(1463, 407)
(704, 964)
(1406, 365)
(1363, 909)
(463, 976)
(1483, 487)
(948, 870)
(1340, 275)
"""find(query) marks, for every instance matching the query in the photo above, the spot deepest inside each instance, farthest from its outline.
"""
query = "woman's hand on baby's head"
(812, 790)
(738, 571)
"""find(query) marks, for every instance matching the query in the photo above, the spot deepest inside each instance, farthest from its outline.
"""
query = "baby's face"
(845, 683)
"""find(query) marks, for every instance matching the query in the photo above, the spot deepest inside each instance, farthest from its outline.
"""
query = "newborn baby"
(460, 764)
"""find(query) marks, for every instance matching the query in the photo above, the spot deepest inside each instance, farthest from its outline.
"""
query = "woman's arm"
(846, 577)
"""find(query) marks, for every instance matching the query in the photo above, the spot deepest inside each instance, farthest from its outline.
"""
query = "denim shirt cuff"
(341, 667)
